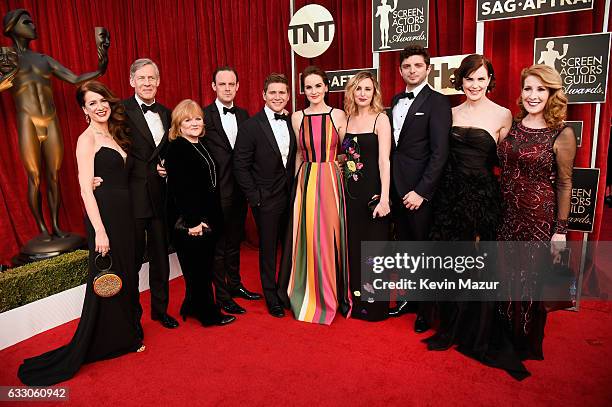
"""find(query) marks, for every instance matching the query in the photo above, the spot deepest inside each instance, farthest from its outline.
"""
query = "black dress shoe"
(220, 321)
(167, 321)
(246, 294)
(420, 325)
(231, 307)
(276, 311)
(400, 309)
(441, 342)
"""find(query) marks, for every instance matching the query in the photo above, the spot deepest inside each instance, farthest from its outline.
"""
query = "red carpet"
(261, 360)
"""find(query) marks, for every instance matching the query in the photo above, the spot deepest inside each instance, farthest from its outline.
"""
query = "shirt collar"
(220, 105)
(269, 112)
(141, 102)
(419, 88)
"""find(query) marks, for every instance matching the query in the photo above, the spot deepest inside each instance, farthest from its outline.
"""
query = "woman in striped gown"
(316, 268)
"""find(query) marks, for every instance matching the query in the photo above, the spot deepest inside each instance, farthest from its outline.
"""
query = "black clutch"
(373, 203)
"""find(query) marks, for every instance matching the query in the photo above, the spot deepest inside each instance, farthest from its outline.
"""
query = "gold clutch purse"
(106, 283)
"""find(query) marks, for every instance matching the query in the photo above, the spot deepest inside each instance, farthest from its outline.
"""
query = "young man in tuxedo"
(222, 119)
(421, 121)
(149, 122)
(264, 166)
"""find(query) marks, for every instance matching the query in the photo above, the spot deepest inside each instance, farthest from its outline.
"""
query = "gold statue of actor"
(29, 81)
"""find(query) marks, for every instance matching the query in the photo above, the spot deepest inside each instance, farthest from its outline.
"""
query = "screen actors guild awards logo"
(383, 12)
(551, 55)
(311, 31)
(398, 23)
(581, 60)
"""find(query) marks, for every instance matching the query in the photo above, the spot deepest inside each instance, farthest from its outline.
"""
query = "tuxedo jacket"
(419, 157)
(192, 193)
(258, 165)
(147, 188)
(219, 146)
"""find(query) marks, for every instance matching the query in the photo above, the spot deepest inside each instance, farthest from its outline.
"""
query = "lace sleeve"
(565, 151)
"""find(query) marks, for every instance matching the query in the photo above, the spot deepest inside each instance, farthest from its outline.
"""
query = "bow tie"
(278, 116)
(152, 108)
(231, 110)
(408, 95)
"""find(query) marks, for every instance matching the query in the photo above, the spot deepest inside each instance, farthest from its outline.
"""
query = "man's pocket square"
(419, 114)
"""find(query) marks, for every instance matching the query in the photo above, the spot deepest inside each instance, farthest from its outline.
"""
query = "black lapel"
(216, 119)
(267, 129)
(162, 143)
(390, 115)
(137, 117)
(414, 107)
(241, 116)
(165, 118)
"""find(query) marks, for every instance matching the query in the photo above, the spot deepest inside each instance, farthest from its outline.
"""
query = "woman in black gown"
(467, 204)
(367, 145)
(108, 326)
(195, 209)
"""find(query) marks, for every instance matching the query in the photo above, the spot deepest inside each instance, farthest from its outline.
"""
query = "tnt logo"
(311, 31)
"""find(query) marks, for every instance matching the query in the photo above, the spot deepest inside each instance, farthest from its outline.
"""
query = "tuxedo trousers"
(271, 226)
(414, 225)
(226, 268)
(151, 234)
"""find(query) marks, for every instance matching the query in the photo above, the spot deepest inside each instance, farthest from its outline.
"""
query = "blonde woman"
(367, 145)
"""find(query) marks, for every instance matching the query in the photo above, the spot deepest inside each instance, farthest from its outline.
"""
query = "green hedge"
(31, 282)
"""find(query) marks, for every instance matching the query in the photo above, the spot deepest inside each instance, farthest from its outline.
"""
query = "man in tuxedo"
(149, 122)
(421, 122)
(264, 165)
(222, 119)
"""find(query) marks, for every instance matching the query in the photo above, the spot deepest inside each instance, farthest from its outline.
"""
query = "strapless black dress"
(107, 327)
(468, 201)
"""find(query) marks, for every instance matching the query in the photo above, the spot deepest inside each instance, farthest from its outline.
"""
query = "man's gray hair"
(142, 62)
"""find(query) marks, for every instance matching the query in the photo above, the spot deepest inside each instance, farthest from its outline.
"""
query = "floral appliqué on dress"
(353, 166)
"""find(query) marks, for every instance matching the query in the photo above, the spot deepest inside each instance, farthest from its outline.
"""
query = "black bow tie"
(408, 95)
(231, 110)
(153, 108)
(278, 116)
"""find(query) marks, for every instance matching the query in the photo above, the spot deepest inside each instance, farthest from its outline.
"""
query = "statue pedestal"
(43, 247)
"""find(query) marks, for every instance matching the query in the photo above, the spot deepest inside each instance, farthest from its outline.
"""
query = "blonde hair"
(184, 110)
(350, 107)
(555, 110)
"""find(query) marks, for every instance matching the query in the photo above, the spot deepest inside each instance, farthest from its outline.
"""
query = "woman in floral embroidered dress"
(367, 145)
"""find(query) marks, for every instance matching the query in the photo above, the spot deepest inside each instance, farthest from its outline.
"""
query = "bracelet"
(561, 226)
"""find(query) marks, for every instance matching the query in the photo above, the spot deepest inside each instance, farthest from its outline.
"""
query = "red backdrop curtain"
(189, 38)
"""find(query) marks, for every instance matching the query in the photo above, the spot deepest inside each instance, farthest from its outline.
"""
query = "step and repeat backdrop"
(190, 38)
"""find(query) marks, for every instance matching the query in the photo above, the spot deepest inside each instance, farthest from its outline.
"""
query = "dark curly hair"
(117, 122)
(411, 50)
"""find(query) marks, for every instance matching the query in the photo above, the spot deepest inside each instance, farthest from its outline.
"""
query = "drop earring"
(87, 118)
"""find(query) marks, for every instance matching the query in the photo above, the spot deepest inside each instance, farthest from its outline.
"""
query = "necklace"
(101, 133)
(209, 162)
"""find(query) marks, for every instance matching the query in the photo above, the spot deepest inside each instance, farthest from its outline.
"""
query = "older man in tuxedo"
(222, 119)
(264, 166)
(149, 122)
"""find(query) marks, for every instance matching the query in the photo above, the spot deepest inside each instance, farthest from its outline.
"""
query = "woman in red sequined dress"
(536, 157)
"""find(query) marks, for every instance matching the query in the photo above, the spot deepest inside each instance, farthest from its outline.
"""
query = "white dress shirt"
(281, 133)
(400, 111)
(229, 123)
(153, 121)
